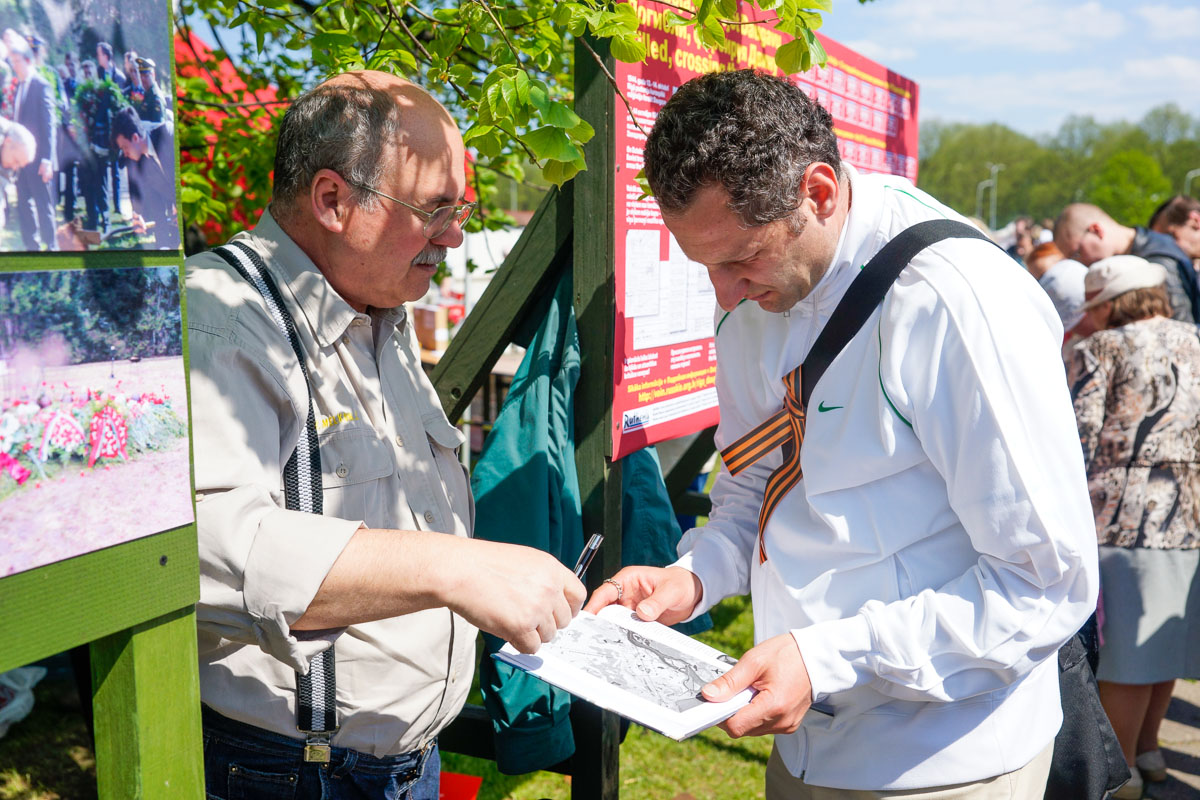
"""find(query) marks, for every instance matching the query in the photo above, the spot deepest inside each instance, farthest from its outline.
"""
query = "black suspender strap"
(868, 289)
(316, 692)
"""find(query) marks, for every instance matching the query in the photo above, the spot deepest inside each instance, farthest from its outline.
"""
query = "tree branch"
(394, 14)
(187, 38)
(538, 186)
(433, 19)
(209, 104)
(524, 146)
(613, 82)
(727, 22)
(275, 14)
(503, 33)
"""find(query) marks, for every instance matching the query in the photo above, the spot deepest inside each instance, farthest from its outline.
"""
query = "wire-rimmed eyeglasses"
(437, 221)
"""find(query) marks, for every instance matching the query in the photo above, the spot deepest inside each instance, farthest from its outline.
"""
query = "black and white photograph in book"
(627, 660)
(87, 142)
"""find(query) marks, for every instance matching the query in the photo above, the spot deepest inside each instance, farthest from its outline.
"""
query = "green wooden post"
(596, 763)
(586, 206)
(528, 270)
(146, 697)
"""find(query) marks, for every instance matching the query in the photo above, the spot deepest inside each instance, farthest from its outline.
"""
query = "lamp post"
(979, 189)
(1187, 179)
(995, 168)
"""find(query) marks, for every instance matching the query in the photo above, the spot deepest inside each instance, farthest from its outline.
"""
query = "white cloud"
(881, 52)
(1037, 101)
(1012, 27)
(1169, 22)
(1031, 63)
(1176, 76)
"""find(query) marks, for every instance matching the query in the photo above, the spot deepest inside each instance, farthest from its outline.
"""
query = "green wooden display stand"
(133, 603)
(551, 243)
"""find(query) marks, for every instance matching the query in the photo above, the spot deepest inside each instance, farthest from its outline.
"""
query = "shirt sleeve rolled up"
(260, 564)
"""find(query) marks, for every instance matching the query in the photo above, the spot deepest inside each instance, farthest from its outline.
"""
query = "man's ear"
(329, 197)
(1193, 221)
(821, 189)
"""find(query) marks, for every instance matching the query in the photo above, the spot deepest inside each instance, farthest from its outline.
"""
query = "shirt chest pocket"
(444, 440)
(353, 461)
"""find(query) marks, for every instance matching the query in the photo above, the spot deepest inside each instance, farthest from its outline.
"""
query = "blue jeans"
(242, 762)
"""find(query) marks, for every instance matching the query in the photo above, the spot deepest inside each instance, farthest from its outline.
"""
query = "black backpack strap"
(869, 288)
(316, 692)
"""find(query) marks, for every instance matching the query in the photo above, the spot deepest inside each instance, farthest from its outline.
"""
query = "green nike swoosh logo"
(823, 407)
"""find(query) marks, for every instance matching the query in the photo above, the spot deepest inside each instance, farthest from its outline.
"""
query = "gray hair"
(338, 127)
(752, 133)
(19, 47)
(22, 136)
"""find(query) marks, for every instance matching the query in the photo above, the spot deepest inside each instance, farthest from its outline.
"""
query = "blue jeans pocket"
(233, 772)
(247, 783)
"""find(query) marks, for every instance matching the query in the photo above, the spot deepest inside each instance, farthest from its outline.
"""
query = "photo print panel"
(93, 412)
(87, 159)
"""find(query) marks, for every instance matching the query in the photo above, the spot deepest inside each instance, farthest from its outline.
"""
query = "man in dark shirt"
(1087, 234)
(34, 108)
(96, 150)
(1179, 218)
(152, 105)
(149, 151)
(108, 70)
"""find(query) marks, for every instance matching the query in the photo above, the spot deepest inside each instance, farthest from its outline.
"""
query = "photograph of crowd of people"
(87, 146)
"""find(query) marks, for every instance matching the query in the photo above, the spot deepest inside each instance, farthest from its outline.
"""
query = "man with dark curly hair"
(917, 581)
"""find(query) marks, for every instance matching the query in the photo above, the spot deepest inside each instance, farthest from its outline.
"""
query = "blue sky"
(1030, 63)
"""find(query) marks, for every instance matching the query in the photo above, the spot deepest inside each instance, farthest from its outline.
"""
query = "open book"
(643, 671)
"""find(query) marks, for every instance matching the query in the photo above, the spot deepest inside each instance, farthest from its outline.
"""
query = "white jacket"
(940, 548)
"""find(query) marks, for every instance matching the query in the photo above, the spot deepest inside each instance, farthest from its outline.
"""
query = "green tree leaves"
(1129, 186)
(1125, 168)
(503, 68)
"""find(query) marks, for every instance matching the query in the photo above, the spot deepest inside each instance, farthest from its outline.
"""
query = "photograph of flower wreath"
(93, 412)
(87, 144)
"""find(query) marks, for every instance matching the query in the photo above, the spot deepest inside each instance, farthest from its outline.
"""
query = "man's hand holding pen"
(520, 594)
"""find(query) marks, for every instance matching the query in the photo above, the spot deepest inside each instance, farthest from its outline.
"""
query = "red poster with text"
(665, 360)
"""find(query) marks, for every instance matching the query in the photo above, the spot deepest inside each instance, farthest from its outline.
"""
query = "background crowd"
(1129, 301)
(99, 120)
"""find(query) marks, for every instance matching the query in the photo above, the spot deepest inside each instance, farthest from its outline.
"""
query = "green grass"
(47, 755)
(710, 765)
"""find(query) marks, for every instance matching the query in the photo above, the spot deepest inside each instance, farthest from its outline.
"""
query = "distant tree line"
(1125, 168)
(98, 313)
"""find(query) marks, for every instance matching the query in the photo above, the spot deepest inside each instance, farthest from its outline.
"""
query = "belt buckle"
(316, 748)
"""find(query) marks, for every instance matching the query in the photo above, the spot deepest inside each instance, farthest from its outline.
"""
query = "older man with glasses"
(340, 587)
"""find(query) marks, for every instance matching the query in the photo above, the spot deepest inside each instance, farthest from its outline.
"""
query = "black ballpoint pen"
(589, 552)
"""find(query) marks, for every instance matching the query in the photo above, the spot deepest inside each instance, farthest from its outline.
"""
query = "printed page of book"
(643, 671)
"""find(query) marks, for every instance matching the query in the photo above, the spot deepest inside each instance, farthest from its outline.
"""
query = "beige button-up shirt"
(387, 461)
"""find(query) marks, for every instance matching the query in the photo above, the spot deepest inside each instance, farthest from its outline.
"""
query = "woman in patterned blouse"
(1136, 389)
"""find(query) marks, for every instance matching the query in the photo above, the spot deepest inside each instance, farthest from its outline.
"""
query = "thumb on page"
(729, 684)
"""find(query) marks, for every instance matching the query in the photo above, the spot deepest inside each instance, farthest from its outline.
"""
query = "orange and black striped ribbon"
(786, 429)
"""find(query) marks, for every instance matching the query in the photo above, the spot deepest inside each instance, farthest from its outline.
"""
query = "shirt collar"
(860, 222)
(328, 315)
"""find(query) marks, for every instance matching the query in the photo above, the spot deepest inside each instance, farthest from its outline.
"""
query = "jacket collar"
(856, 245)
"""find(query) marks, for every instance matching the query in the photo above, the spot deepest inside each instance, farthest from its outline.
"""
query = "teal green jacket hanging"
(527, 492)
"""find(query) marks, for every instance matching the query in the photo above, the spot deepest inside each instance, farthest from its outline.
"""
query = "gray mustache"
(432, 254)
